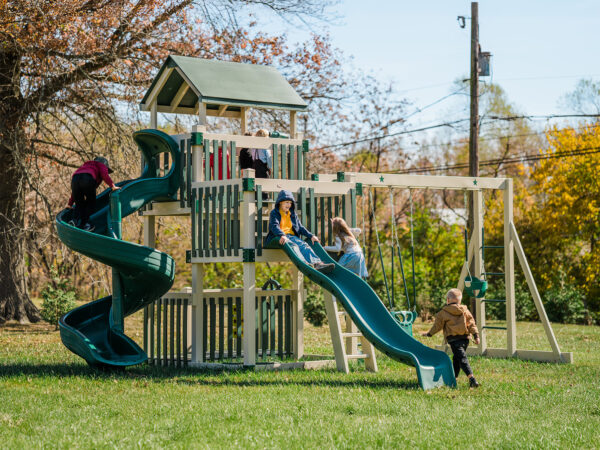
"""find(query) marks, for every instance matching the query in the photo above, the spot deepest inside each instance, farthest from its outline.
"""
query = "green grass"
(50, 398)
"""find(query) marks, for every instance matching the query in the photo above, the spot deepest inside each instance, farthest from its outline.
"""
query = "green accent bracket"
(359, 190)
(188, 256)
(248, 255)
(314, 177)
(248, 185)
(197, 138)
(341, 176)
(305, 145)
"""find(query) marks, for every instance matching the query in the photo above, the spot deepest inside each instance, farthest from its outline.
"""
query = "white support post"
(247, 230)
(202, 114)
(341, 361)
(476, 237)
(298, 287)
(149, 241)
(197, 313)
(509, 272)
(244, 119)
(534, 293)
(293, 125)
(153, 115)
(197, 172)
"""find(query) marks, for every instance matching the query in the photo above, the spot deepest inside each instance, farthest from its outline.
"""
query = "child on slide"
(353, 258)
(84, 182)
(284, 226)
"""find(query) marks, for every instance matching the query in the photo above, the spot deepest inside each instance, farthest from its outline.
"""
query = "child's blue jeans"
(302, 249)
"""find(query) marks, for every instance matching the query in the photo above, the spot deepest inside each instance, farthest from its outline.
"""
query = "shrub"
(58, 299)
(314, 306)
(565, 304)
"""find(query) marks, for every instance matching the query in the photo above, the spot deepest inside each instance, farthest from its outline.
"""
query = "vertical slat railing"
(200, 222)
(276, 172)
(222, 224)
(213, 231)
(206, 230)
(207, 160)
(213, 327)
(236, 218)
(228, 207)
(230, 330)
(259, 220)
(193, 214)
(221, 328)
(185, 331)
(188, 170)
(292, 153)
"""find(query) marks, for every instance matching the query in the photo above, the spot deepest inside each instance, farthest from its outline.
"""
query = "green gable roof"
(183, 80)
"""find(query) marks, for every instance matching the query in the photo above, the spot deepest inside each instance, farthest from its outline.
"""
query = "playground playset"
(251, 326)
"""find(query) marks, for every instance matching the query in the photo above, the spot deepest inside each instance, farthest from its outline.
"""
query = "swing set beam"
(511, 246)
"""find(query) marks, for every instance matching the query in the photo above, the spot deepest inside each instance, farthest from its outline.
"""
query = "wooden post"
(477, 260)
(247, 228)
(153, 115)
(534, 293)
(244, 119)
(293, 125)
(298, 287)
(149, 241)
(202, 114)
(509, 272)
(197, 151)
(197, 318)
(341, 362)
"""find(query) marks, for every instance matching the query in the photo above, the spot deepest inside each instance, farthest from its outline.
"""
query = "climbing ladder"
(346, 337)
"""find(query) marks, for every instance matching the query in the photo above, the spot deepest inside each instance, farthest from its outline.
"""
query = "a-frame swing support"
(511, 243)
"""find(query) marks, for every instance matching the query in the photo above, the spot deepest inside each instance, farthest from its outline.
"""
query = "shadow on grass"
(200, 377)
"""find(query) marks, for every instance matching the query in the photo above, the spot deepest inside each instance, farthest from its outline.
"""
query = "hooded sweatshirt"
(275, 219)
(456, 321)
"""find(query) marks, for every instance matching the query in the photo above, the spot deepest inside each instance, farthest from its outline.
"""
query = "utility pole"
(474, 125)
(474, 121)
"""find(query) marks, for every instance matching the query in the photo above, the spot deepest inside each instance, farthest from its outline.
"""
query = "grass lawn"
(50, 398)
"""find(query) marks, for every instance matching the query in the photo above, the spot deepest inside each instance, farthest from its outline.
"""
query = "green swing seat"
(405, 319)
(475, 287)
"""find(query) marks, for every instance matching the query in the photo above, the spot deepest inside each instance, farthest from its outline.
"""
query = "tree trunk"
(15, 303)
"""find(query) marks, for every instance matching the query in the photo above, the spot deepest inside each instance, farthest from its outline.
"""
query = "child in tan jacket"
(458, 324)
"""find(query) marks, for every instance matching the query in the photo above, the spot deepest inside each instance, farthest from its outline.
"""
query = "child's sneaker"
(473, 382)
(324, 268)
(88, 227)
(72, 223)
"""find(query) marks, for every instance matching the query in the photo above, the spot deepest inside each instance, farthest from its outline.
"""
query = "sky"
(540, 49)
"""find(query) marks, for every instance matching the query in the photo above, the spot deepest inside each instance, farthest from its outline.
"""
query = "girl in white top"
(345, 240)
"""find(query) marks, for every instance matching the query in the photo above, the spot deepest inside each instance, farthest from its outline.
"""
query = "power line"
(491, 138)
(500, 161)
(451, 125)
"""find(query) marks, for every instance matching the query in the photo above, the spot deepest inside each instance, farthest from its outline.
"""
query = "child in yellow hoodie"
(457, 323)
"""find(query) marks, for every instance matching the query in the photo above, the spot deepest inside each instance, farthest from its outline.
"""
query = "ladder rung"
(493, 246)
(493, 300)
(348, 335)
(494, 273)
(359, 356)
(494, 328)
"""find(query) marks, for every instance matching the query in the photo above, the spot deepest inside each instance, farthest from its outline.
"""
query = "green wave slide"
(434, 368)
(95, 331)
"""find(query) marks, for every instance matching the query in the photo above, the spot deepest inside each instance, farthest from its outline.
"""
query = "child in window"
(284, 226)
(263, 163)
(353, 258)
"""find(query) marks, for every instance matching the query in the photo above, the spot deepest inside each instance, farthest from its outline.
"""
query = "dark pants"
(459, 356)
(83, 186)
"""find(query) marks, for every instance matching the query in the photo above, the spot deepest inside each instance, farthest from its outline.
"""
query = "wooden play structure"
(228, 208)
